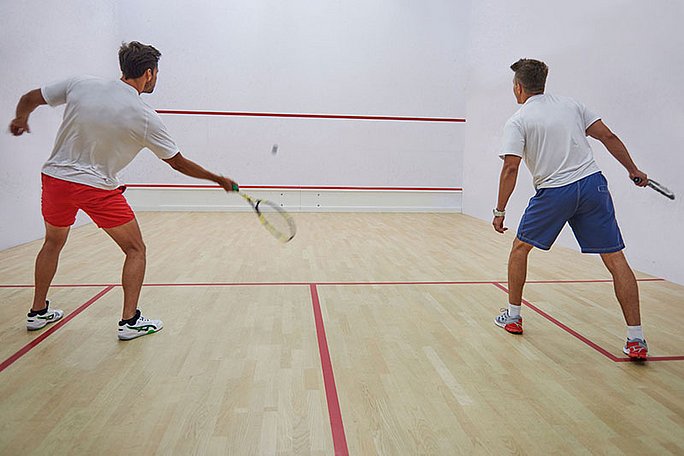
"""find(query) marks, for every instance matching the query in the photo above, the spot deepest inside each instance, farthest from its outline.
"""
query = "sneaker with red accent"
(636, 349)
(511, 324)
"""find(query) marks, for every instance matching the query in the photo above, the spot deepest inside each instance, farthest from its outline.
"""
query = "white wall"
(359, 57)
(383, 57)
(379, 57)
(625, 61)
(41, 43)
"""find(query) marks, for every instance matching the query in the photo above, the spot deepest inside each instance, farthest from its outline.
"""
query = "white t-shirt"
(105, 125)
(549, 133)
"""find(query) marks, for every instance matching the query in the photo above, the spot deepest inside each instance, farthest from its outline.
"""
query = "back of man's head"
(135, 58)
(531, 75)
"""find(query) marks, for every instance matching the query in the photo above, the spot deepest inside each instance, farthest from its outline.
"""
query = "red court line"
(269, 284)
(68, 285)
(309, 116)
(249, 284)
(652, 358)
(54, 327)
(336, 424)
(650, 279)
(350, 283)
(587, 341)
(304, 187)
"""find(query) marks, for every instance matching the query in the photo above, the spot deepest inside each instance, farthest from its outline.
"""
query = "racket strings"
(276, 220)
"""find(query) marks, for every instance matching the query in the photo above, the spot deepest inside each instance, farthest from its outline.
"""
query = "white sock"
(513, 310)
(635, 332)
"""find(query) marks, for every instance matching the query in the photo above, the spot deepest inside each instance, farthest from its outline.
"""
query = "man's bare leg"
(625, 284)
(627, 293)
(517, 270)
(46, 263)
(129, 238)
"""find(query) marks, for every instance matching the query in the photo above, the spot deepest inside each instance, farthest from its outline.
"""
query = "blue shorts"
(586, 205)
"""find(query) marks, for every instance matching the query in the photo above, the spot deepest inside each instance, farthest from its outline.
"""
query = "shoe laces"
(503, 317)
(504, 312)
(506, 317)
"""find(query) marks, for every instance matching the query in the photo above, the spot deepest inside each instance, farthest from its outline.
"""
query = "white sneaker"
(36, 321)
(142, 327)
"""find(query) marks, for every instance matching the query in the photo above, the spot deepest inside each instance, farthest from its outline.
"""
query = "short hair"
(135, 58)
(531, 75)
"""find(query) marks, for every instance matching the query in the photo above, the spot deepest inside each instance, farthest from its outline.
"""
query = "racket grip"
(637, 180)
(236, 187)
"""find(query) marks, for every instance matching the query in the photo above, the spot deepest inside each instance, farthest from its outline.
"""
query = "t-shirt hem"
(592, 122)
(502, 155)
(56, 175)
(572, 181)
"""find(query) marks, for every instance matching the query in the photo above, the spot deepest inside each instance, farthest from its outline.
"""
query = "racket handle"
(637, 180)
(236, 187)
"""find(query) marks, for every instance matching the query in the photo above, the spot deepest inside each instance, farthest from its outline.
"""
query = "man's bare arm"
(598, 130)
(192, 169)
(507, 181)
(27, 104)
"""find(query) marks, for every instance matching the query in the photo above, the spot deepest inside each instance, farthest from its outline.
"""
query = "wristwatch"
(498, 213)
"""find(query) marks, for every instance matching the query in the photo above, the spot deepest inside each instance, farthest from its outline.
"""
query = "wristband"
(498, 213)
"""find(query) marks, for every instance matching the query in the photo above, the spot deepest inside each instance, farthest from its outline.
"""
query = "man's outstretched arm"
(598, 130)
(192, 169)
(27, 104)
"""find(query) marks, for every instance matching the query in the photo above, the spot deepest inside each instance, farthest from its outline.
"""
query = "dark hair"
(135, 58)
(531, 75)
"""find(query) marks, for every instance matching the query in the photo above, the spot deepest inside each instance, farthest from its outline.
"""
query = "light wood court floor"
(368, 334)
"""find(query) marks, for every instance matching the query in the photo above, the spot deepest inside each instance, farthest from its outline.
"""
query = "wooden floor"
(368, 334)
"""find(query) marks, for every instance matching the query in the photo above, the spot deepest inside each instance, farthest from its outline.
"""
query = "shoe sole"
(151, 331)
(507, 330)
(636, 357)
(28, 328)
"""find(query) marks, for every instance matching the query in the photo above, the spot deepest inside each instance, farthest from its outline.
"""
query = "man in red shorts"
(105, 125)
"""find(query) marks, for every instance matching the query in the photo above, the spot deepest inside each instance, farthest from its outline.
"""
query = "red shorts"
(62, 199)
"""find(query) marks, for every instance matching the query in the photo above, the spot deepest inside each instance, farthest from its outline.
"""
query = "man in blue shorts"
(550, 134)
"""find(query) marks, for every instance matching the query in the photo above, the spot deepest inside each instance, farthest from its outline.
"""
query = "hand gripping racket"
(272, 217)
(658, 188)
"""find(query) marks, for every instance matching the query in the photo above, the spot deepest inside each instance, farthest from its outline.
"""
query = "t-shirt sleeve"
(513, 139)
(588, 117)
(158, 139)
(56, 94)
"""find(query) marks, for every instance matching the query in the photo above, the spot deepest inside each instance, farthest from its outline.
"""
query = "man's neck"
(138, 84)
(526, 96)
